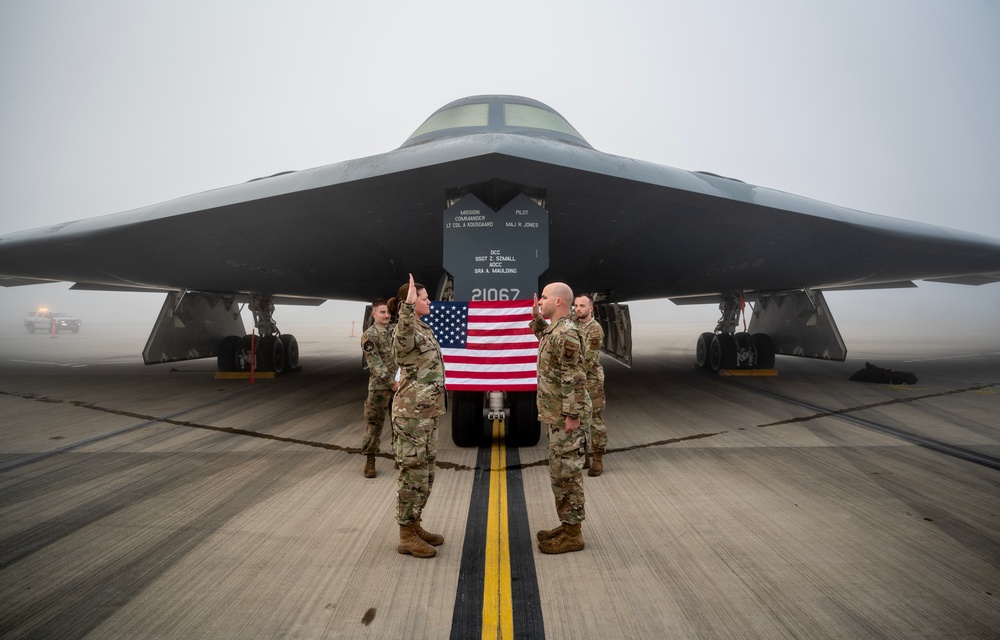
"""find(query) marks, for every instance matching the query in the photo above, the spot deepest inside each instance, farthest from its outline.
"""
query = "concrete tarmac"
(159, 502)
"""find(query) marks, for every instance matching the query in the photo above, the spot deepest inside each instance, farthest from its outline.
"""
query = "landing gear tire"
(754, 351)
(270, 355)
(251, 344)
(467, 422)
(291, 346)
(746, 351)
(703, 350)
(523, 428)
(722, 355)
(232, 354)
(765, 350)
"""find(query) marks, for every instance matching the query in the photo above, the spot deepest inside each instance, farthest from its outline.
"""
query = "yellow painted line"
(498, 616)
(243, 375)
(748, 372)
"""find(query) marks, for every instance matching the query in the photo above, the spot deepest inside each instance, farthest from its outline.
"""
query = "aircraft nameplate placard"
(496, 255)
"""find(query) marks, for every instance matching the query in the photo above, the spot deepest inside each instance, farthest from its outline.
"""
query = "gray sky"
(888, 107)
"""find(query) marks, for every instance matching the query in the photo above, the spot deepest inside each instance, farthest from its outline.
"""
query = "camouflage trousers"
(597, 432)
(377, 405)
(414, 440)
(566, 451)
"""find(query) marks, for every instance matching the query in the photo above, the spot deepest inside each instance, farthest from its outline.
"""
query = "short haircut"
(378, 302)
(562, 290)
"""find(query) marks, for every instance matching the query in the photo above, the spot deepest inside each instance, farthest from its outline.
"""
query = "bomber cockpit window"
(496, 115)
(523, 115)
(469, 115)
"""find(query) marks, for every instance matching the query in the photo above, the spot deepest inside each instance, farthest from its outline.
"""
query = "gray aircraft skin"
(621, 228)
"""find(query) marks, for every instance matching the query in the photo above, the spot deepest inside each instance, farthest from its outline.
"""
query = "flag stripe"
(509, 368)
(485, 333)
(495, 385)
(467, 359)
(513, 318)
(484, 356)
(496, 344)
(485, 306)
(520, 376)
(520, 324)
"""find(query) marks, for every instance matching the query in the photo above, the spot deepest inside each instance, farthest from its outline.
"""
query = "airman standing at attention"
(416, 407)
(376, 345)
(593, 338)
(562, 404)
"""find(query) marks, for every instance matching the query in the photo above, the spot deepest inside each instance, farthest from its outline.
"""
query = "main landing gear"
(274, 351)
(727, 349)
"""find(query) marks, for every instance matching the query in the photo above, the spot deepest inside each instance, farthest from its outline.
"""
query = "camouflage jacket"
(417, 353)
(376, 345)
(593, 338)
(561, 380)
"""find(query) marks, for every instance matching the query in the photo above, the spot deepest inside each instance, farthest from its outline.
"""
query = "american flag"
(487, 346)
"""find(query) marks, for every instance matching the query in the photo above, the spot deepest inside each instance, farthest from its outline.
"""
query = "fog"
(886, 107)
(934, 311)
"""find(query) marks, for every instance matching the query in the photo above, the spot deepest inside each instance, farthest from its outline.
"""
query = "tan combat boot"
(435, 539)
(586, 459)
(370, 467)
(569, 539)
(411, 543)
(597, 466)
(548, 534)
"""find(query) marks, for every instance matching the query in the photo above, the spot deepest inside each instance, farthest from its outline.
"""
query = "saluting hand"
(411, 293)
(536, 313)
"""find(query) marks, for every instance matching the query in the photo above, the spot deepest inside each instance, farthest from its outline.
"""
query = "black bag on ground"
(871, 373)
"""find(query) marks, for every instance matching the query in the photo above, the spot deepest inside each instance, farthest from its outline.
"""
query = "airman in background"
(376, 345)
(593, 338)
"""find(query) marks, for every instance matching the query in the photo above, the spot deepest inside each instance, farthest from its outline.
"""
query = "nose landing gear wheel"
(467, 422)
(523, 430)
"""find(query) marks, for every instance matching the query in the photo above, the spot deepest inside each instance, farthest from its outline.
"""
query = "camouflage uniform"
(376, 345)
(418, 403)
(593, 338)
(562, 392)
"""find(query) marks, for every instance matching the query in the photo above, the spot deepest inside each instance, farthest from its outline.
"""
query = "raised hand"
(411, 293)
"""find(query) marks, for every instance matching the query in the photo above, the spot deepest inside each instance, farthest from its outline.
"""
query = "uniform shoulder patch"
(367, 343)
(570, 349)
(595, 341)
